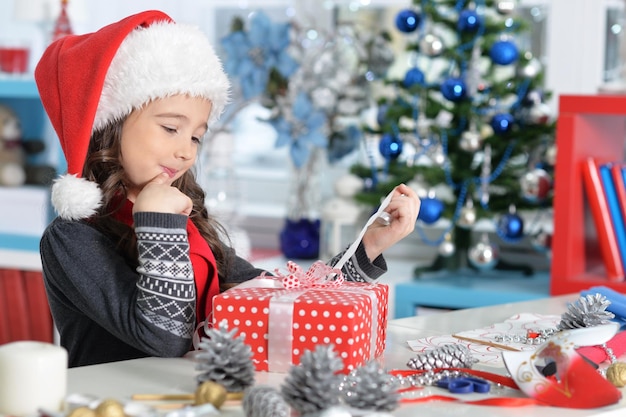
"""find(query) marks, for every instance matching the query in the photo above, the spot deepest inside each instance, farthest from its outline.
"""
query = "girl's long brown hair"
(103, 166)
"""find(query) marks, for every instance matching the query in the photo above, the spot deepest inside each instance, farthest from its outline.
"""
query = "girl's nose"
(186, 150)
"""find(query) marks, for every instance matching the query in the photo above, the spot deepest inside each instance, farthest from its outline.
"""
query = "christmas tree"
(468, 127)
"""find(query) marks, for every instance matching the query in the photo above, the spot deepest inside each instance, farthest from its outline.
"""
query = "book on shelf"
(618, 171)
(610, 188)
(600, 213)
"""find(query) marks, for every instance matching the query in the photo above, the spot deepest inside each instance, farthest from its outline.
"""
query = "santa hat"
(89, 81)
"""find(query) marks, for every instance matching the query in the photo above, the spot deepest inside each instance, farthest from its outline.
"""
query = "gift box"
(281, 323)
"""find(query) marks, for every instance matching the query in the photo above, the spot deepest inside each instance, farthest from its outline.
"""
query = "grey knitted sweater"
(107, 310)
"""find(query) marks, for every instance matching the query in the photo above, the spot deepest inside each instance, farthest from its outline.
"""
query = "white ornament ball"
(467, 217)
(431, 45)
(505, 7)
(446, 248)
(530, 69)
(471, 141)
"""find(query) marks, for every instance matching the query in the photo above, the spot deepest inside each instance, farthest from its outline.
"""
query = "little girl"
(133, 260)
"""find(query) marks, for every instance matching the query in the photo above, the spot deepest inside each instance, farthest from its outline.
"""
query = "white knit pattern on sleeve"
(166, 285)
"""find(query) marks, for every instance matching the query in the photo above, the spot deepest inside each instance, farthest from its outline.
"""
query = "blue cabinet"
(25, 211)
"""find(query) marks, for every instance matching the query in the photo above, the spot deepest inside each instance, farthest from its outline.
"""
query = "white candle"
(33, 375)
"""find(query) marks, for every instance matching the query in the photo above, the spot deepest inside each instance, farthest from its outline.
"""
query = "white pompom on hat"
(89, 81)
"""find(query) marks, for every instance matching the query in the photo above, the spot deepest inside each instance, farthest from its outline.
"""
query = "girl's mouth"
(169, 171)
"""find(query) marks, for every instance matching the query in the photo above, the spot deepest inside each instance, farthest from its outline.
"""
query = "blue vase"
(300, 235)
(300, 239)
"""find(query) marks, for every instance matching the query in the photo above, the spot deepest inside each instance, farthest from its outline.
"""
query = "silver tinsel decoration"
(313, 385)
(264, 401)
(446, 356)
(370, 387)
(587, 311)
(224, 359)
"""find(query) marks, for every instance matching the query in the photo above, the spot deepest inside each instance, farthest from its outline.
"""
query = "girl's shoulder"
(72, 231)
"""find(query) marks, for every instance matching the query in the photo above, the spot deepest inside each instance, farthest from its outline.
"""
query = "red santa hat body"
(89, 81)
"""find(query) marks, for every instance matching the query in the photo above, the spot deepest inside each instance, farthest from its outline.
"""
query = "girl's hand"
(158, 196)
(403, 209)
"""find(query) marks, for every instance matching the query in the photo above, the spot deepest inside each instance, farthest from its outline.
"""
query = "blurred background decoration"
(315, 84)
(468, 127)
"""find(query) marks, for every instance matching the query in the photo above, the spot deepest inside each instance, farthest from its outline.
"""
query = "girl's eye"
(196, 139)
(169, 129)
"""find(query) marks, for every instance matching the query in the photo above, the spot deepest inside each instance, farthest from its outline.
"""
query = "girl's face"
(163, 136)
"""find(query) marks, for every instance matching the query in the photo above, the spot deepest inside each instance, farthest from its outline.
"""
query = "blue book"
(615, 211)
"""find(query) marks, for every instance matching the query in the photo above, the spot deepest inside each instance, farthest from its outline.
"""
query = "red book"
(617, 171)
(605, 230)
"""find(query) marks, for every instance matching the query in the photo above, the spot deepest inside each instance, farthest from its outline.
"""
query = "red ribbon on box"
(319, 275)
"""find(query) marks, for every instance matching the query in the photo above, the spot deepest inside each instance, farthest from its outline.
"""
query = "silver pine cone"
(587, 311)
(446, 356)
(264, 401)
(224, 359)
(370, 387)
(313, 385)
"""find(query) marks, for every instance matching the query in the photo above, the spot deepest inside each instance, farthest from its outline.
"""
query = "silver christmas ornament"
(447, 247)
(484, 255)
(505, 7)
(467, 215)
(539, 114)
(471, 141)
(437, 156)
(535, 185)
(431, 45)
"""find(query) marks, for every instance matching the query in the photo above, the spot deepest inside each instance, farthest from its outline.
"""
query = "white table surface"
(157, 375)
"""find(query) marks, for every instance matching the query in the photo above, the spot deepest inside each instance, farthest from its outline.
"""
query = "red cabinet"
(587, 126)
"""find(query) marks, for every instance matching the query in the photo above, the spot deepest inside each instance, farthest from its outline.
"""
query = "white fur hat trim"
(161, 60)
(75, 198)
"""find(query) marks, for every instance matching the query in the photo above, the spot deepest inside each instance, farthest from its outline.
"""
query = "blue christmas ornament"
(503, 52)
(390, 146)
(469, 21)
(511, 226)
(431, 210)
(502, 123)
(454, 89)
(408, 20)
(414, 76)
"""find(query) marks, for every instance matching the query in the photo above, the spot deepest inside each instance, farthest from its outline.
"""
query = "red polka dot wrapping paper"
(353, 318)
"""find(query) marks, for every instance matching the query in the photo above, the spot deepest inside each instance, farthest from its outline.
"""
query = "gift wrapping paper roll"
(33, 375)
